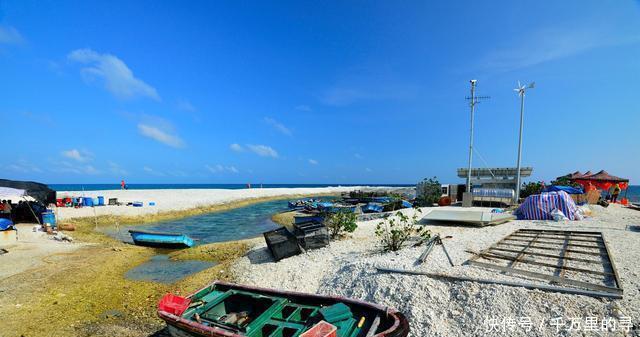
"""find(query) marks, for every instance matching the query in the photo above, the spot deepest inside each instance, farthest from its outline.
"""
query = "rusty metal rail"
(527, 244)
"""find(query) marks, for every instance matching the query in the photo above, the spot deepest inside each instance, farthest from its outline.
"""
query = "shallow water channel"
(235, 224)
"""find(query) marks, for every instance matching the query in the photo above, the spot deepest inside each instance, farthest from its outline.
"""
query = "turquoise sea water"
(633, 193)
(234, 224)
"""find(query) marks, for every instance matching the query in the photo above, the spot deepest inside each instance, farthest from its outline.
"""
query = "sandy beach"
(180, 199)
(88, 275)
(443, 308)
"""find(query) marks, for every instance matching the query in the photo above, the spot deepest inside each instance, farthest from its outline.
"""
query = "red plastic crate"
(174, 304)
(322, 329)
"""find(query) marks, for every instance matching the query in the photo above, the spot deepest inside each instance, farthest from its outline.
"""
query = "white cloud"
(118, 78)
(221, 169)
(278, 126)
(151, 171)
(22, 166)
(552, 43)
(363, 90)
(10, 35)
(77, 155)
(236, 147)
(76, 168)
(185, 105)
(162, 134)
(303, 108)
(313, 162)
(117, 169)
(263, 150)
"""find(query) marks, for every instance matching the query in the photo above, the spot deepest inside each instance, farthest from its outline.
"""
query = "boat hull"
(395, 323)
(161, 240)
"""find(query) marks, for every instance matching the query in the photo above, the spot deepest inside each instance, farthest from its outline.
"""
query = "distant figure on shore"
(123, 186)
(616, 192)
(248, 185)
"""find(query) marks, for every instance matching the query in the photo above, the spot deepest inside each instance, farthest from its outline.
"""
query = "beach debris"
(62, 237)
(282, 243)
(434, 240)
(543, 287)
(583, 254)
(3, 251)
(311, 235)
(429, 246)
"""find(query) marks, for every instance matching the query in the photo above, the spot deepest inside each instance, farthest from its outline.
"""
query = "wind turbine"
(521, 90)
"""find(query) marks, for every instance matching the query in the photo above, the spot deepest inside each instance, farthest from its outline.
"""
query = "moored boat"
(229, 310)
(161, 239)
(372, 208)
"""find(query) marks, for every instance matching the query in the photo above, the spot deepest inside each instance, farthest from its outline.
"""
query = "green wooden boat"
(230, 310)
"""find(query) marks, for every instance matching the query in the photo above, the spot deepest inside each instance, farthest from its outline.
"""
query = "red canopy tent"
(602, 180)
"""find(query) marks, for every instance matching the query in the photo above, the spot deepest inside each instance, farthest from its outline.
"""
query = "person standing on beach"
(616, 192)
(122, 185)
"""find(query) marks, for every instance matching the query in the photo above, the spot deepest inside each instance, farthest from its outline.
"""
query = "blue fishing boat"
(342, 208)
(160, 239)
(307, 218)
(372, 208)
(381, 199)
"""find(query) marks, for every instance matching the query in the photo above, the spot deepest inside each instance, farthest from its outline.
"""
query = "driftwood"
(504, 283)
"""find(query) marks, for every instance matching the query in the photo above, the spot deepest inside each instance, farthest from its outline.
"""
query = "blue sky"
(313, 92)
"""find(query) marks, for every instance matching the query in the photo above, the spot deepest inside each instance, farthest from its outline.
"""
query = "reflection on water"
(160, 269)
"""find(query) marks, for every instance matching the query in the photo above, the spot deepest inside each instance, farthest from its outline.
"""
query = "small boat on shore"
(300, 219)
(372, 208)
(229, 310)
(161, 239)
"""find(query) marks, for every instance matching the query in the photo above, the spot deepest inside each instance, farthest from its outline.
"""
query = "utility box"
(467, 199)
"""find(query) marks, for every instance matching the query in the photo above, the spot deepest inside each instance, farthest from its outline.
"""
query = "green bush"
(564, 181)
(531, 188)
(394, 232)
(428, 192)
(340, 223)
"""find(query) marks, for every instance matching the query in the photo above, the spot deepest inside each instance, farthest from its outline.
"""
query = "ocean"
(100, 187)
(633, 193)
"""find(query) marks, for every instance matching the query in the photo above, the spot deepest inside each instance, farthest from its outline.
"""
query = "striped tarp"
(539, 206)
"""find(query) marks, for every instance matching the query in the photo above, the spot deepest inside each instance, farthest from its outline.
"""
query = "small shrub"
(531, 188)
(428, 192)
(394, 232)
(340, 223)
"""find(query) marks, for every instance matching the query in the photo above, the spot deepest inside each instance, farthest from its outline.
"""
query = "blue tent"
(568, 189)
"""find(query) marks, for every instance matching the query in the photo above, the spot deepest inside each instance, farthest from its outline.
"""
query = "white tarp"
(8, 193)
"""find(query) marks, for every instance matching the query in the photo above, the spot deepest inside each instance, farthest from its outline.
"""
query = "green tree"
(428, 192)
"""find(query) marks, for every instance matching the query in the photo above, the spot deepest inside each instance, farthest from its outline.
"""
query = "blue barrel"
(87, 202)
(49, 217)
(100, 201)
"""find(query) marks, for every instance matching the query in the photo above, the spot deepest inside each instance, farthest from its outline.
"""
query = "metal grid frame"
(574, 246)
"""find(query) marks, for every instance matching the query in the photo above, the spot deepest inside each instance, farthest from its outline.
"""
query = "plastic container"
(174, 304)
(49, 218)
(322, 329)
(87, 202)
(100, 201)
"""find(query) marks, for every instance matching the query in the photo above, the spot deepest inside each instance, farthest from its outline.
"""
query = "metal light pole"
(473, 108)
(474, 101)
(521, 92)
